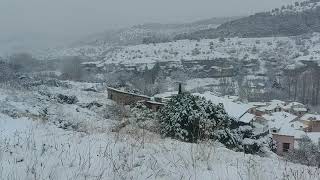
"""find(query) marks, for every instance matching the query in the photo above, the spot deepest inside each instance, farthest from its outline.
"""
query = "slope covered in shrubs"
(292, 20)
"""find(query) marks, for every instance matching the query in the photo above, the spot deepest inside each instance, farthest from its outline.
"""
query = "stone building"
(311, 122)
(284, 143)
(125, 98)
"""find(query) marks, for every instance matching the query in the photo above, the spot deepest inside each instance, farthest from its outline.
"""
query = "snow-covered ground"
(34, 146)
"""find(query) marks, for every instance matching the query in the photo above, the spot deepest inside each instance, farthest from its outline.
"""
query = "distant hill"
(288, 20)
(150, 32)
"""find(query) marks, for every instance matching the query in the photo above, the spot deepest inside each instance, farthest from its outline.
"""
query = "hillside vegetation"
(289, 20)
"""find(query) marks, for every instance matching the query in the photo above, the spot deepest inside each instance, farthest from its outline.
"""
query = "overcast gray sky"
(80, 17)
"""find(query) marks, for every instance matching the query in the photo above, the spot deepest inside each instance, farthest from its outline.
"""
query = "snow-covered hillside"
(297, 7)
(283, 50)
(243, 49)
(35, 145)
(151, 31)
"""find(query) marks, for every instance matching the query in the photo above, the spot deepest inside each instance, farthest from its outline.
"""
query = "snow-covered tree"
(191, 118)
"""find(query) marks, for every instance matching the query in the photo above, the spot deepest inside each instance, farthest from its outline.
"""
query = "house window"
(285, 147)
(274, 131)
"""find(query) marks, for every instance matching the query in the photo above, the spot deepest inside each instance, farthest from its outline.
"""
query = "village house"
(311, 122)
(287, 130)
(283, 126)
(260, 109)
(279, 121)
(271, 107)
(296, 108)
(255, 106)
(288, 139)
(284, 143)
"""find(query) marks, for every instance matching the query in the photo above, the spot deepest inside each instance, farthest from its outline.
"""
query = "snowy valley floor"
(32, 147)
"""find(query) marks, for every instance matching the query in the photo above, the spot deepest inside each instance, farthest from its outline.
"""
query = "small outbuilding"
(284, 143)
(125, 98)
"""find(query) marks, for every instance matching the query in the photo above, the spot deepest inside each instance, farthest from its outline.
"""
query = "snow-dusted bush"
(143, 117)
(67, 99)
(139, 121)
(195, 52)
(115, 111)
(308, 153)
(191, 118)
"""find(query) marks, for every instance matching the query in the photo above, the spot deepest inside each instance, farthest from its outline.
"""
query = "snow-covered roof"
(309, 117)
(300, 109)
(297, 125)
(272, 105)
(295, 106)
(289, 131)
(235, 110)
(269, 107)
(276, 101)
(247, 118)
(155, 103)
(257, 104)
(279, 120)
(232, 98)
(166, 94)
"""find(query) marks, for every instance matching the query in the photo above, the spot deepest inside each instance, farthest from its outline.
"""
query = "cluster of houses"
(287, 122)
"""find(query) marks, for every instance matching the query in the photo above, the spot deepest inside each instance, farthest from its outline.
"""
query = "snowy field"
(35, 146)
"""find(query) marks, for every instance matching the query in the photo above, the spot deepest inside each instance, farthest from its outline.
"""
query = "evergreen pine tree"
(191, 118)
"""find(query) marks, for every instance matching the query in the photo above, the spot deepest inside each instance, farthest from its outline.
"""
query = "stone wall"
(125, 98)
